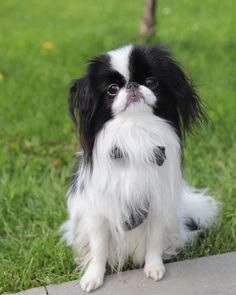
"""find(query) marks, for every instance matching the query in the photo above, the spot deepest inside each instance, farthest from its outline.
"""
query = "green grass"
(36, 136)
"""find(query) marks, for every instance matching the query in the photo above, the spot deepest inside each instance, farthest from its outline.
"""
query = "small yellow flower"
(56, 163)
(2, 77)
(48, 45)
(195, 27)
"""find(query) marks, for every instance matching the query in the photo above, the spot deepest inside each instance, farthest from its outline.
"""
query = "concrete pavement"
(214, 275)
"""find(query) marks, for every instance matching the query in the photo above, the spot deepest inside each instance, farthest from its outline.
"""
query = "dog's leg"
(154, 267)
(98, 244)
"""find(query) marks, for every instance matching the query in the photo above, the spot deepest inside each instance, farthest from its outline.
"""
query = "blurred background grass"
(37, 141)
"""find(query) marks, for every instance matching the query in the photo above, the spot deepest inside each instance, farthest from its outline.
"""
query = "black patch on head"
(177, 101)
(89, 104)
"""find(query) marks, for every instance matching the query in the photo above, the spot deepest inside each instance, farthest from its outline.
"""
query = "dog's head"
(130, 80)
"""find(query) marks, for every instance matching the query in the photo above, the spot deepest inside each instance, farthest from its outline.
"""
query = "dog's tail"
(198, 211)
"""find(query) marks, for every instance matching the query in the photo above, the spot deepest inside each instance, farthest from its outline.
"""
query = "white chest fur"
(116, 185)
(105, 195)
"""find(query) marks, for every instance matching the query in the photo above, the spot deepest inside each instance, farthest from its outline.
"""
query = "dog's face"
(128, 80)
(136, 83)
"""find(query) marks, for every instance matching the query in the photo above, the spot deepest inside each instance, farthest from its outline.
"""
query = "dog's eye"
(113, 89)
(151, 82)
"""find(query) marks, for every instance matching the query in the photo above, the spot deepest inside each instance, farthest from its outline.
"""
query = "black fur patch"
(160, 155)
(91, 107)
(116, 153)
(178, 103)
(136, 218)
(191, 224)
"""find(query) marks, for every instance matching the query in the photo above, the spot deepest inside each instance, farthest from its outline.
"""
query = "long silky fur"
(104, 191)
(125, 186)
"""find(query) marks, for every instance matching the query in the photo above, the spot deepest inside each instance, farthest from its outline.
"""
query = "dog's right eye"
(113, 89)
(151, 82)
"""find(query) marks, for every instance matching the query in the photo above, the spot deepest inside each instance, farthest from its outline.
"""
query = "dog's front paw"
(90, 281)
(155, 271)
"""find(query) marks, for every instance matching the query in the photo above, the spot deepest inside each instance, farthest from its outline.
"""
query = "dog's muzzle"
(133, 92)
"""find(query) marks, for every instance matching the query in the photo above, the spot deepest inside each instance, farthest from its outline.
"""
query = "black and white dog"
(128, 197)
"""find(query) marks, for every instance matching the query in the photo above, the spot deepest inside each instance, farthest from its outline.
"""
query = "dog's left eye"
(151, 82)
(113, 89)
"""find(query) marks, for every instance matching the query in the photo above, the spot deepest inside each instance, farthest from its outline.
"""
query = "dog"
(128, 199)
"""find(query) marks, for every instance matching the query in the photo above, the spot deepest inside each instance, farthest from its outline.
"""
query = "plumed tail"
(198, 211)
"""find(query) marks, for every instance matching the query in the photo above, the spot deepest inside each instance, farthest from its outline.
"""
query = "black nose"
(132, 85)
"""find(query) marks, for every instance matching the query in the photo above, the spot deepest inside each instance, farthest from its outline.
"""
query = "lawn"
(37, 140)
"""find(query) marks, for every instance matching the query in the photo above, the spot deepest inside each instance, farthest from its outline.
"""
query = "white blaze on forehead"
(120, 60)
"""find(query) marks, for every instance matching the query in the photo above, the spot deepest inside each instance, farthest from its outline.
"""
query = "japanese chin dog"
(128, 199)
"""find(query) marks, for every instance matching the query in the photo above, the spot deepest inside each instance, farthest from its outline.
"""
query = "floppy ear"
(73, 101)
(180, 90)
(82, 105)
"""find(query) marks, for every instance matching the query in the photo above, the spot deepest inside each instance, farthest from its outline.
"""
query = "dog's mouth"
(133, 96)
